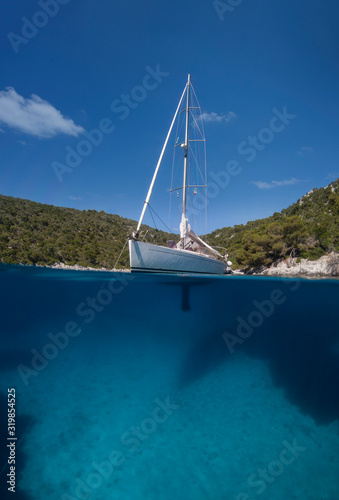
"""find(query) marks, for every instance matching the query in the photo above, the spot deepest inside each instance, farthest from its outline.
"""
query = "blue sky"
(67, 66)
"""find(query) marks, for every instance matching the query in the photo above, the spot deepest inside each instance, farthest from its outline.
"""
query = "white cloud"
(34, 116)
(274, 184)
(215, 117)
(75, 198)
(305, 149)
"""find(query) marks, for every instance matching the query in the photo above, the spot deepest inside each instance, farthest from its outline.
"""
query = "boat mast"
(185, 146)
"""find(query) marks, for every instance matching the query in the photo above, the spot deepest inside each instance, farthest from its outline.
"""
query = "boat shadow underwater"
(298, 341)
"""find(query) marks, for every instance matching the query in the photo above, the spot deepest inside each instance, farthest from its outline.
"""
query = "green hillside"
(307, 229)
(34, 233)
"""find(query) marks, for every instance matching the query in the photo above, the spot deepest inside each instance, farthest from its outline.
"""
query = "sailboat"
(190, 254)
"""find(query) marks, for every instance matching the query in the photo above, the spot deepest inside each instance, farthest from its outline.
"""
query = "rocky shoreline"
(327, 266)
(76, 267)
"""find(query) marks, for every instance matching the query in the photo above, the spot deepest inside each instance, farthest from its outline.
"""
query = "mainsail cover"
(188, 237)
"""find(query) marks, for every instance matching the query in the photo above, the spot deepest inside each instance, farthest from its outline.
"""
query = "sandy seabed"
(224, 437)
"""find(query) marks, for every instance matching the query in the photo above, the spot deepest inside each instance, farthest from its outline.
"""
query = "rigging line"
(193, 215)
(176, 140)
(199, 156)
(196, 164)
(150, 189)
(199, 117)
(206, 192)
(200, 128)
(195, 122)
(169, 208)
(196, 152)
(115, 265)
(152, 210)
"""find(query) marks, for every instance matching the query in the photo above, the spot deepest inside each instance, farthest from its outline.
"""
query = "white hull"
(145, 257)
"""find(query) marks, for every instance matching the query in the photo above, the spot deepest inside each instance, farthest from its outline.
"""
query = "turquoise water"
(138, 387)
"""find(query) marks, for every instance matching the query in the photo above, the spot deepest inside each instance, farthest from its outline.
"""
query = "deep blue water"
(160, 387)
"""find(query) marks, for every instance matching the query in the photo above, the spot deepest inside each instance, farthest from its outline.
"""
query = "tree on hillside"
(254, 251)
(295, 233)
(275, 233)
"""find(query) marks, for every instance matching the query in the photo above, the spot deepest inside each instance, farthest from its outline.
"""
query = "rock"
(328, 265)
(76, 267)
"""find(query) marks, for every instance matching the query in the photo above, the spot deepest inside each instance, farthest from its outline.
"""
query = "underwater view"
(137, 386)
